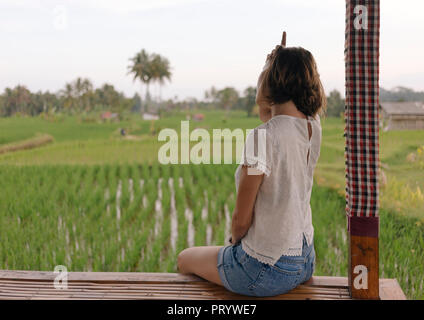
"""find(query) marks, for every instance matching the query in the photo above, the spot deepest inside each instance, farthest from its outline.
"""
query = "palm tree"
(140, 67)
(78, 94)
(150, 67)
(86, 93)
(69, 96)
(160, 71)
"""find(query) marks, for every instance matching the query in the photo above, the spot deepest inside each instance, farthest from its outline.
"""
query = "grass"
(401, 242)
(96, 143)
(399, 193)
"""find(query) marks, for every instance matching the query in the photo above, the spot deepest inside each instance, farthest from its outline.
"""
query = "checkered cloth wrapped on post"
(361, 111)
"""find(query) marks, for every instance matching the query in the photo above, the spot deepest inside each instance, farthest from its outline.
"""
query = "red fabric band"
(363, 226)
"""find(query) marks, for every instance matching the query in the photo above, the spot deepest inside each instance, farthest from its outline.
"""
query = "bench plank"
(22, 284)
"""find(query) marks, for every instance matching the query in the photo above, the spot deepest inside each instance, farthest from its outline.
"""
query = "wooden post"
(363, 272)
(361, 149)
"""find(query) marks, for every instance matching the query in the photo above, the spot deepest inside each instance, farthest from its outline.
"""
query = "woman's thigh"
(202, 261)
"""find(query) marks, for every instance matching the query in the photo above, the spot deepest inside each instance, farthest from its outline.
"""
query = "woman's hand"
(265, 111)
(271, 55)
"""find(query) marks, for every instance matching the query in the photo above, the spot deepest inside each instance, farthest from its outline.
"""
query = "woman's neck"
(288, 108)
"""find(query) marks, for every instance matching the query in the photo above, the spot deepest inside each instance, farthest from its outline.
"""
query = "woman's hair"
(292, 75)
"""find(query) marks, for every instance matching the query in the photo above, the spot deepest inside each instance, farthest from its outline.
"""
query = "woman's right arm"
(246, 196)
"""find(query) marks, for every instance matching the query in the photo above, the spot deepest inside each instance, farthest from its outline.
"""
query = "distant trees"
(76, 97)
(400, 93)
(136, 103)
(16, 100)
(150, 68)
(19, 100)
(108, 96)
(80, 95)
(211, 96)
(227, 98)
(249, 100)
(335, 104)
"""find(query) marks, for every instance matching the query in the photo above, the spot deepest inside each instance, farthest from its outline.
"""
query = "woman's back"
(272, 248)
(282, 213)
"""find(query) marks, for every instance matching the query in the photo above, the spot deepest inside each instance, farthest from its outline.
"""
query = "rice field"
(95, 201)
(137, 217)
(111, 217)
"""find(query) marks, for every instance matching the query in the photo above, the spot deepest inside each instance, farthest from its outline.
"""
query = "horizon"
(207, 43)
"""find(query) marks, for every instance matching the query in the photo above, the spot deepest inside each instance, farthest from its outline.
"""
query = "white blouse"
(282, 211)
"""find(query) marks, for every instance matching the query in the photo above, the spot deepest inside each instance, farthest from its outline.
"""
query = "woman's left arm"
(250, 181)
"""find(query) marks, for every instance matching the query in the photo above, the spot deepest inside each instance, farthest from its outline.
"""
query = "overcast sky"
(212, 42)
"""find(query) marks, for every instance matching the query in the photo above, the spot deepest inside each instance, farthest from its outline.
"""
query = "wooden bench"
(139, 285)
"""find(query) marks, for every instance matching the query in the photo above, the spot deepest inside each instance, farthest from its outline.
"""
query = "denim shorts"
(243, 274)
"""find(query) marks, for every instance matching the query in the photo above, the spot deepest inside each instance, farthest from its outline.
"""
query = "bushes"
(37, 141)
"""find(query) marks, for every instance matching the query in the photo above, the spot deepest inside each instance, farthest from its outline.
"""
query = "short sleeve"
(257, 151)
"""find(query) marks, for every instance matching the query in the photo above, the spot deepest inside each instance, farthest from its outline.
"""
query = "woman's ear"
(261, 98)
(259, 90)
(264, 108)
(265, 113)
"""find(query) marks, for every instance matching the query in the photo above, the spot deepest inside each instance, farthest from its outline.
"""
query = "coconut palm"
(68, 96)
(78, 94)
(86, 94)
(140, 68)
(150, 68)
(160, 71)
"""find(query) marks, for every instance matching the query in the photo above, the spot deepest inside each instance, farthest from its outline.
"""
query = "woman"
(272, 248)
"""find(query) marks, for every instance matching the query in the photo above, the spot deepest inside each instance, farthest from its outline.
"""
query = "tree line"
(77, 96)
(336, 104)
(80, 96)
